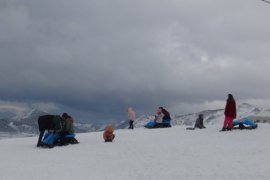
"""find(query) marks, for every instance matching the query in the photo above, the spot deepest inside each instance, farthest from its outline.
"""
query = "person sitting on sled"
(158, 116)
(166, 119)
(157, 122)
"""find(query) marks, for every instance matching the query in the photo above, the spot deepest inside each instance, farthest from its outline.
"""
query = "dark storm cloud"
(98, 57)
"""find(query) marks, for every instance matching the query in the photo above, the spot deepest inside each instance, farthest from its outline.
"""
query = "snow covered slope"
(144, 154)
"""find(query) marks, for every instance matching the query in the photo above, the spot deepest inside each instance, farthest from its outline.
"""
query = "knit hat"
(65, 115)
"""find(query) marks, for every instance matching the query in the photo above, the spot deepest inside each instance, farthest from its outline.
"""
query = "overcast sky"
(94, 58)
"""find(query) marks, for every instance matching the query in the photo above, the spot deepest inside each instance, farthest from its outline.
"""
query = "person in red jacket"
(230, 113)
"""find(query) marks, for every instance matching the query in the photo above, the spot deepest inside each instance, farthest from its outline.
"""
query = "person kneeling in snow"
(108, 135)
(166, 118)
(68, 133)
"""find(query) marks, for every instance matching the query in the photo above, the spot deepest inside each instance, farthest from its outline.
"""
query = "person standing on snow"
(230, 113)
(131, 117)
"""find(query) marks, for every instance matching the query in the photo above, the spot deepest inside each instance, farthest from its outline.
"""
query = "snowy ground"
(142, 154)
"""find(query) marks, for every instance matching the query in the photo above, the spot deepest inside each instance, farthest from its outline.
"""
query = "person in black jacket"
(52, 123)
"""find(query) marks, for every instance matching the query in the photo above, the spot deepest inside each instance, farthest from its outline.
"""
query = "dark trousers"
(130, 124)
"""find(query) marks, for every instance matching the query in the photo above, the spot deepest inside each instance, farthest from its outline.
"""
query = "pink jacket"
(131, 114)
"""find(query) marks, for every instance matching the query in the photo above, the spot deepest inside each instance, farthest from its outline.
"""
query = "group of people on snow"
(60, 129)
(229, 121)
(162, 119)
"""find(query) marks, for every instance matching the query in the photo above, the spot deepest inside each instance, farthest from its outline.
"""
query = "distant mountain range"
(26, 125)
(211, 117)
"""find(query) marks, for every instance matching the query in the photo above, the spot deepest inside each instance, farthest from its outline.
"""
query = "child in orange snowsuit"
(108, 135)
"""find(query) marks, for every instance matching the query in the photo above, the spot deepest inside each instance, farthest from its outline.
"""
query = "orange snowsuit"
(108, 133)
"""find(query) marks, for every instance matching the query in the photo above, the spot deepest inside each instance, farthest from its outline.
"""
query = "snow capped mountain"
(20, 124)
(5, 126)
(10, 112)
(25, 124)
(211, 117)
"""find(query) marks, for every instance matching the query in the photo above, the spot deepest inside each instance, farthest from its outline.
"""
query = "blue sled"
(51, 139)
(245, 124)
(153, 124)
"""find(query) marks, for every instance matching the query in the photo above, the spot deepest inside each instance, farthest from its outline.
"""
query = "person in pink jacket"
(131, 117)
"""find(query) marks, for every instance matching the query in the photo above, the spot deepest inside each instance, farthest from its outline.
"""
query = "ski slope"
(144, 154)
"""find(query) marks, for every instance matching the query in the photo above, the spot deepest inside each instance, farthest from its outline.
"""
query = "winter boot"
(223, 129)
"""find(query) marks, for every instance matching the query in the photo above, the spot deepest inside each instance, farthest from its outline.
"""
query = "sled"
(54, 139)
(244, 124)
(153, 125)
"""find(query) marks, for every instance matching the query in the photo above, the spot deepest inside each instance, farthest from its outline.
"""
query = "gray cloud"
(95, 57)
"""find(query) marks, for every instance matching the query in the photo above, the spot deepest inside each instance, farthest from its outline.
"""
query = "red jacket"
(230, 109)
